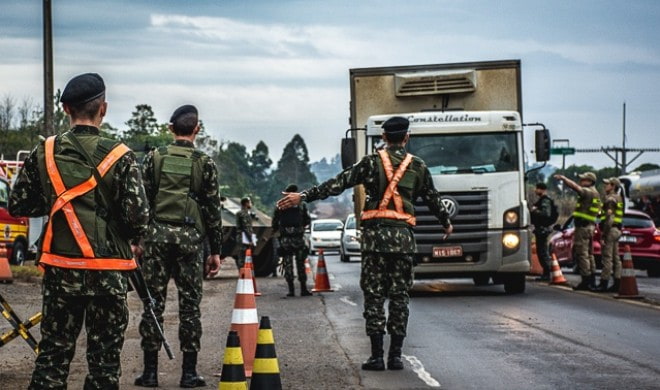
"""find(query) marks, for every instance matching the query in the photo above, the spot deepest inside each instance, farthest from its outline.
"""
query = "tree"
(647, 167)
(232, 161)
(142, 123)
(259, 165)
(293, 167)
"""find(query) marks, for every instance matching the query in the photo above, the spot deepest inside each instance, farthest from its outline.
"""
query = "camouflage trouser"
(583, 249)
(240, 259)
(105, 319)
(386, 275)
(184, 264)
(294, 246)
(610, 254)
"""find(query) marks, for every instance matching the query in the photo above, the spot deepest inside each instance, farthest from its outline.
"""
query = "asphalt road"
(467, 337)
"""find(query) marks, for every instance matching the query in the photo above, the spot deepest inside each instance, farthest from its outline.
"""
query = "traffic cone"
(555, 272)
(233, 372)
(5, 272)
(308, 269)
(628, 286)
(249, 264)
(244, 318)
(535, 268)
(266, 374)
(322, 282)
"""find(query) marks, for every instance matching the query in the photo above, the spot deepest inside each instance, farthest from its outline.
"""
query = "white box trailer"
(466, 124)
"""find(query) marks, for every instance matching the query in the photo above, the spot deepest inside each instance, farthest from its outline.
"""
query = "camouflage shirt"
(29, 199)
(609, 211)
(243, 224)
(208, 201)
(386, 236)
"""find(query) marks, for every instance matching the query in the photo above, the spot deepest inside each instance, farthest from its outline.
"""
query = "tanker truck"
(466, 124)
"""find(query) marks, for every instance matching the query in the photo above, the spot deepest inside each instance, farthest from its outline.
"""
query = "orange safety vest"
(391, 192)
(65, 196)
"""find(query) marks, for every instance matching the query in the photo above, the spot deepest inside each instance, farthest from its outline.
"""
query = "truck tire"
(18, 253)
(514, 284)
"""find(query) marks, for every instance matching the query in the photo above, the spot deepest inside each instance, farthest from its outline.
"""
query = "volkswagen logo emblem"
(450, 205)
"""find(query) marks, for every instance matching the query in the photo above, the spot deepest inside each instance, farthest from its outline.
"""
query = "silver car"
(350, 240)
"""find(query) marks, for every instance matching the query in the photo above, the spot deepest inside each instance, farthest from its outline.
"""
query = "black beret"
(291, 188)
(396, 124)
(186, 109)
(83, 88)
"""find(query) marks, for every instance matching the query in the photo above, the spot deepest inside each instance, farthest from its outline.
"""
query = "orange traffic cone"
(555, 272)
(266, 375)
(233, 371)
(322, 282)
(244, 318)
(249, 264)
(536, 268)
(308, 269)
(628, 286)
(5, 272)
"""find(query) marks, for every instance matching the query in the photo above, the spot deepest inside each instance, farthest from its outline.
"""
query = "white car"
(350, 240)
(325, 234)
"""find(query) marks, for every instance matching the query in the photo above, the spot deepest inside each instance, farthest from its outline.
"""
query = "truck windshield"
(466, 153)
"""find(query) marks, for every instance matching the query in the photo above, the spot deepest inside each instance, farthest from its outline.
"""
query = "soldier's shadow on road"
(439, 289)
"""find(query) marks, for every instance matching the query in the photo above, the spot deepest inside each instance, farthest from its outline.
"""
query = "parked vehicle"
(466, 124)
(638, 231)
(350, 240)
(13, 231)
(325, 234)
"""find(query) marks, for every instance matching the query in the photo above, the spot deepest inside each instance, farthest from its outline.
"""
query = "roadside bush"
(26, 273)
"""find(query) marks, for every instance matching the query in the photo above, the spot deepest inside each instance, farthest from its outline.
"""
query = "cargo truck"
(466, 124)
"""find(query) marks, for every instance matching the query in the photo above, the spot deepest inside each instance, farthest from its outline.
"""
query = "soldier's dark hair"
(185, 124)
(245, 201)
(86, 110)
(397, 137)
(541, 186)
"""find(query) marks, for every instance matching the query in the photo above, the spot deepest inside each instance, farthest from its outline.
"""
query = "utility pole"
(48, 70)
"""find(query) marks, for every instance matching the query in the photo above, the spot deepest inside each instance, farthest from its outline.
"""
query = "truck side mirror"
(348, 152)
(542, 143)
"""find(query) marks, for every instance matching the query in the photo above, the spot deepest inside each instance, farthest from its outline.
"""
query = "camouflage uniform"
(611, 232)
(243, 226)
(587, 208)
(72, 296)
(387, 245)
(542, 211)
(292, 243)
(176, 252)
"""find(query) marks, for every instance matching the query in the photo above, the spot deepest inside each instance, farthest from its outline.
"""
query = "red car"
(638, 231)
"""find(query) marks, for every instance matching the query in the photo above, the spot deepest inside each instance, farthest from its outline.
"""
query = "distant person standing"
(542, 219)
(182, 187)
(392, 179)
(610, 233)
(290, 223)
(244, 232)
(586, 212)
(91, 189)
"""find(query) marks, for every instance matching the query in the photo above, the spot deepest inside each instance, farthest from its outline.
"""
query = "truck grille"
(470, 227)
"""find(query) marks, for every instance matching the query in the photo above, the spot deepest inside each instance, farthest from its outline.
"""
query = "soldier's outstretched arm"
(433, 200)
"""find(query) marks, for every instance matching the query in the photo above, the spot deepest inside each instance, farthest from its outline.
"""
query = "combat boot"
(189, 377)
(375, 361)
(394, 361)
(291, 289)
(602, 286)
(592, 281)
(304, 292)
(149, 377)
(584, 284)
(615, 286)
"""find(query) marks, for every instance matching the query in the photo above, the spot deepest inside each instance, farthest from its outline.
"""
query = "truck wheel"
(514, 284)
(18, 253)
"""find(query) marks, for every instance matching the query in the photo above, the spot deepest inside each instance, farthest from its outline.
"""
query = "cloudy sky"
(266, 70)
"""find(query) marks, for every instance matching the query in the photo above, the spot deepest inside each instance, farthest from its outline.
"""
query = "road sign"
(562, 151)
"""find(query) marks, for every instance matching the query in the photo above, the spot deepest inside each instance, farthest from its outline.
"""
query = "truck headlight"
(510, 240)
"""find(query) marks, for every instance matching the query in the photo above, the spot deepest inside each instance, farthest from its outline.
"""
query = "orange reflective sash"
(63, 202)
(392, 192)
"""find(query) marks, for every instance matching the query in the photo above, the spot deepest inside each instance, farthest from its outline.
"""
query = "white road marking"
(348, 301)
(418, 368)
(336, 286)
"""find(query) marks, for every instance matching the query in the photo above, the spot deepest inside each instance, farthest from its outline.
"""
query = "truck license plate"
(630, 239)
(447, 251)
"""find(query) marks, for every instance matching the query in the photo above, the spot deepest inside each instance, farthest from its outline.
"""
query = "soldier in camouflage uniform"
(290, 224)
(541, 212)
(84, 249)
(182, 187)
(586, 212)
(611, 231)
(388, 244)
(244, 231)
